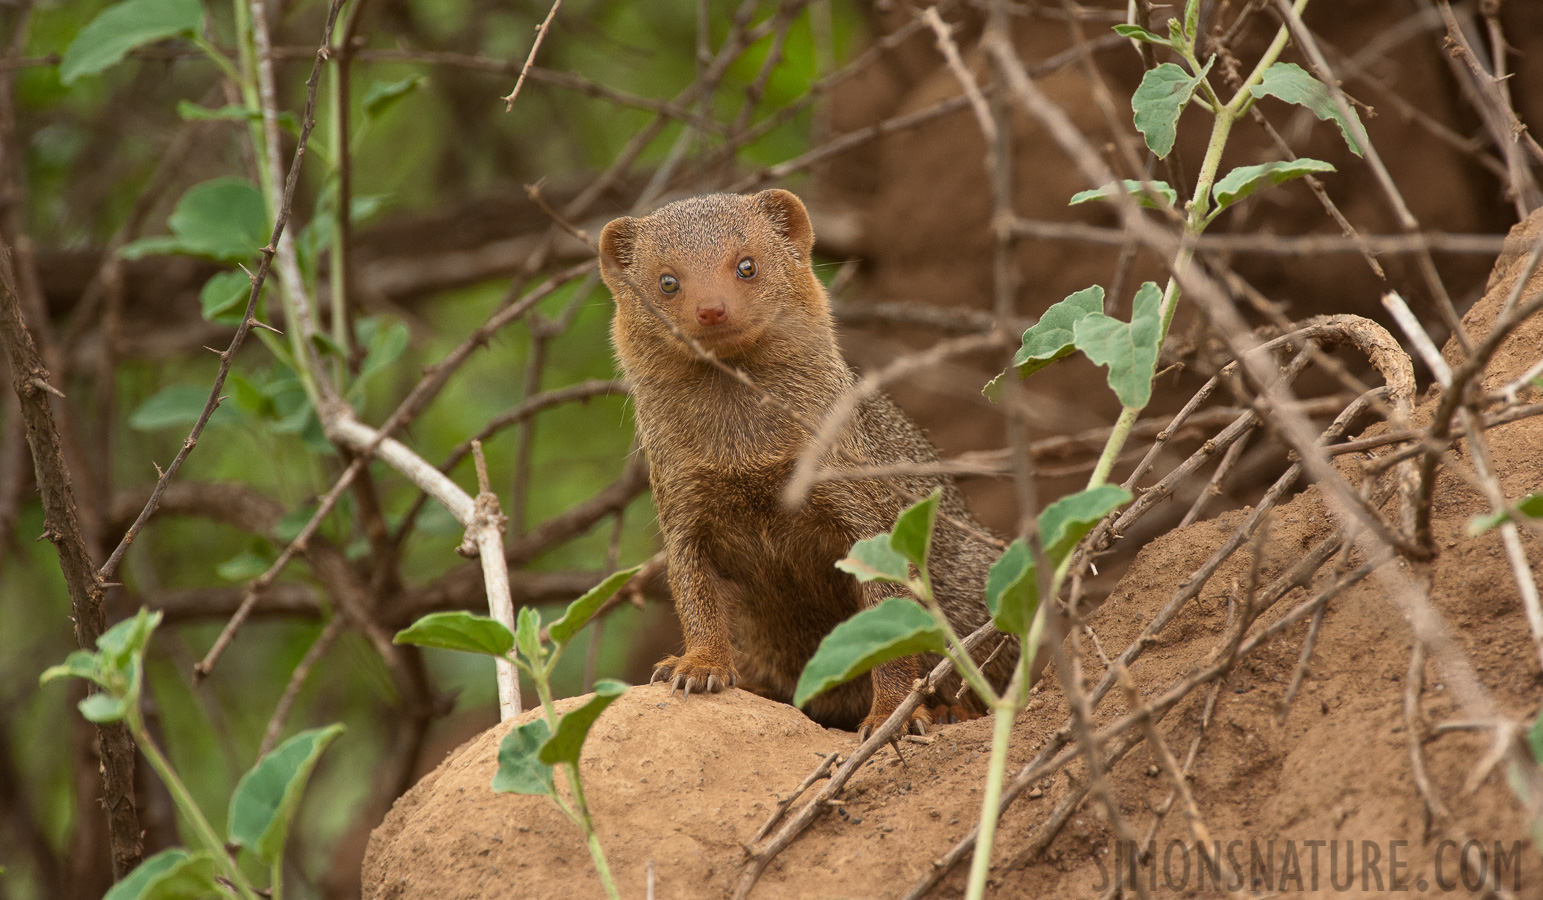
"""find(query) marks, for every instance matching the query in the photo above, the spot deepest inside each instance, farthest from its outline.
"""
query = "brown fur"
(754, 581)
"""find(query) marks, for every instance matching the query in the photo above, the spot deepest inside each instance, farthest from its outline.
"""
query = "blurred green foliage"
(90, 151)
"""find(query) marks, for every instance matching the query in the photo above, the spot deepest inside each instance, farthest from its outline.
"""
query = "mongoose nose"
(711, 315)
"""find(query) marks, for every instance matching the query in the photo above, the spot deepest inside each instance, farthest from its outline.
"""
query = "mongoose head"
(731, 272)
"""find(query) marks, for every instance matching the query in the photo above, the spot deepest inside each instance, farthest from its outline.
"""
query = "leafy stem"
(208, 840)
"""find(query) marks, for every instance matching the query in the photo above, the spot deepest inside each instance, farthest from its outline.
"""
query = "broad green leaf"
(1136, 32)
(1128, 350)
(1245, 180)
(580, 611)
(1530, 506)
(1133, 187)
(178, 406)
(1063, 523)
(458, 631)
(912, 535)
(527, 634)
(382, 95)
(1158, 102)
(103, 707)
(225, 293)
(244, 566)
(122, 27)
(1012, 589)
(224, 219)
(894, 629)
(173, 874)
(1293, 84)
(875, 559)
(1052, 337)
(268, 795)
(572, 728)
(520, 769)
(79, 664)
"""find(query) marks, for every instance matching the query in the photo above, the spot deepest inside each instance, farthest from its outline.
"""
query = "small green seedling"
(261, 810)
(528, 754)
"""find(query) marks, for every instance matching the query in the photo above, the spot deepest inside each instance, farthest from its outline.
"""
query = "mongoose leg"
(891, 685)
(707, 665)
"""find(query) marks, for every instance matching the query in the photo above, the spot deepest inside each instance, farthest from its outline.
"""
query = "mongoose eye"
(746, 268)
(669, 284)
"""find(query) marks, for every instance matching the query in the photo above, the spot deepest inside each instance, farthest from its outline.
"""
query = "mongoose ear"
(617, 242)
(787, 211)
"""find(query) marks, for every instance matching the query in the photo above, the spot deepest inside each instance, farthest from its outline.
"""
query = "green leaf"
(178, 406)
(1192, 19)
(124, 644)
(912, 534)
(1136, 32)
(875, 559)
(1292, 83)
(1012, 589)
(458, 631)
(1159, 101)
(79, 664)
(224, 219)
(173, 874)
(383, 95)
(564, 746)
(1128, 350)
(244, 566)
(384, 347)
(1530, 506)
(1245, 180)
(122, 27)
(894, 629)
(520, 769)
(1133, 187)
(294, 522)
(1535, 740)
(268, 795)
(249, 396)
(102, 707)
(527, 634)
(1063, 523)
(1052, 337)
(225, 293)
(580, 611)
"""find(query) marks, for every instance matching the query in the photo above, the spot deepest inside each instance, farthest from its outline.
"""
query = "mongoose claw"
(917, 724)
(687, 675)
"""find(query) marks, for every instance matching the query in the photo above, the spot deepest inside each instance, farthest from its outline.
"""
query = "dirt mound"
(1317, 798)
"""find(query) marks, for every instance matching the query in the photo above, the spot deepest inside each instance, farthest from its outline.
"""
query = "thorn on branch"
(42, 385)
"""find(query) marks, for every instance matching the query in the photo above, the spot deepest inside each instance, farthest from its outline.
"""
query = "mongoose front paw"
(917, 724)
(693, 673)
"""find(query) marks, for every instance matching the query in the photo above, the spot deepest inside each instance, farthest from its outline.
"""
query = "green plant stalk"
(247, 58)
(276, 880)
(1005, 712)
(980, 865)
(580, 811)
(337, 274)
(208, 840)
(957, 652)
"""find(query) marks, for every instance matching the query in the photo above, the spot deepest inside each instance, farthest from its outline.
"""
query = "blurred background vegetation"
(437, 166)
